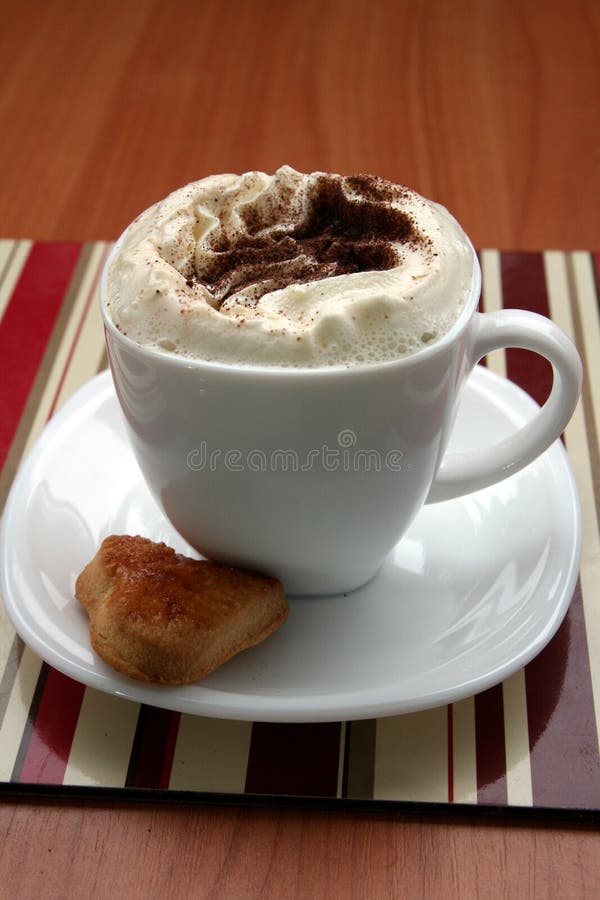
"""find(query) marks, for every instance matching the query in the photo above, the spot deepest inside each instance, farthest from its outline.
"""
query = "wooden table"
(490, 107)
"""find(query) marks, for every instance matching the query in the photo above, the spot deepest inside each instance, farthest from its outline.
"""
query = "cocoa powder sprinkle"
(348, 226)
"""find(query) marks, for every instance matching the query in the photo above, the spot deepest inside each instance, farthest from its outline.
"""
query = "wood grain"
(490, 106)
(168, 852)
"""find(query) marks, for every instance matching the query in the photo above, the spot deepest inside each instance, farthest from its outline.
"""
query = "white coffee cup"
(313, 475)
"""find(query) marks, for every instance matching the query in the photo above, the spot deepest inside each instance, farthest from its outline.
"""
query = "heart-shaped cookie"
(158, 616)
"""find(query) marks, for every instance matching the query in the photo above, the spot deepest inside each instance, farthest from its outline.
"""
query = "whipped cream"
(290, 270)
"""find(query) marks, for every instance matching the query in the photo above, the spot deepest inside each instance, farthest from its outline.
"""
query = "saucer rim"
(331, 706)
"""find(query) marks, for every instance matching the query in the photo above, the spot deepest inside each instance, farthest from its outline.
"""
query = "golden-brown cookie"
(158, 616)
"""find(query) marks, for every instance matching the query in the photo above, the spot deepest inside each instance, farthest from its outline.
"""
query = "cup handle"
(462, 473)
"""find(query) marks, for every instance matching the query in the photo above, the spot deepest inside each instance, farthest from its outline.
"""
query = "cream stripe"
(11, 276)
(6, 248)
(492, 296)
(516, 736)
(588, 310)
(104, 721)
(577, 445)
(519, 785)
(210, 755)
(17, 710)
(103, 739)
(411, 759)
(66, 345)
(464, 751)
(7, 635)
(90, 340)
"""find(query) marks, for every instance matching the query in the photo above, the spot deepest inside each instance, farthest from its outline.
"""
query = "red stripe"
(299, 760)
(560, 710)
(450, 739)
(27, 325)
(53, 730)
(489, 742)
(524, 287)
(153, 748)
(565, 768)
(37, 299)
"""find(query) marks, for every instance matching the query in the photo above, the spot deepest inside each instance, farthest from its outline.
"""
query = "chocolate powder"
(285, 244)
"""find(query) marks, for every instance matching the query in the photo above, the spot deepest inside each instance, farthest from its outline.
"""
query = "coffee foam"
(290, 270)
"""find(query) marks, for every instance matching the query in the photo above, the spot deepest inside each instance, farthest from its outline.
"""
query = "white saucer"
(473, 592)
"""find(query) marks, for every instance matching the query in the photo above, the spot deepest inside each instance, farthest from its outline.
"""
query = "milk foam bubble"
(290, 270)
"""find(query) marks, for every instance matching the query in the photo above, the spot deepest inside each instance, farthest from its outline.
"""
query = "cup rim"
(248, 369)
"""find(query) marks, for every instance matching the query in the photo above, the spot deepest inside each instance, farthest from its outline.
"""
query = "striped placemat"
(531, 742)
